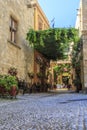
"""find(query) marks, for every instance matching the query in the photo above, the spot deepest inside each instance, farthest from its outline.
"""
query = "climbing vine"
(76, 62)
(52, 43)
(76, 56)
(62, 68)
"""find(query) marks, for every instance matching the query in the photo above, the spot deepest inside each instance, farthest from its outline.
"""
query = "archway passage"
(53, 43)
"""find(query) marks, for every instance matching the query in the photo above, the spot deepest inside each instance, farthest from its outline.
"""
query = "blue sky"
(64, 11)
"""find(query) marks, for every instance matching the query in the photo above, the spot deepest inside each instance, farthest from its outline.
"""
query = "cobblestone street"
(44, 112)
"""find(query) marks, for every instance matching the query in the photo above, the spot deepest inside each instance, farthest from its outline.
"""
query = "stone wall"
(81, 24)
(84, 14)
(84, 37)
(21, 55)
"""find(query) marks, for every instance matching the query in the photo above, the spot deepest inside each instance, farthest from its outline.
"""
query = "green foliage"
(8, 81)
(52, 43)
(62, 68)
(76, 63)
(75, 54)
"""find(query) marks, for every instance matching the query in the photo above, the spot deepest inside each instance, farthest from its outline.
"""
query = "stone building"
(81, 24)
(40, 23)
(40, 20)
(15, 20)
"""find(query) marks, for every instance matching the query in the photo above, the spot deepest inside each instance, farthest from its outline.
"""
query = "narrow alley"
(45, 111)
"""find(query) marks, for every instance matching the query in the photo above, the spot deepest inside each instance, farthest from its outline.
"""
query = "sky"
(63, 12)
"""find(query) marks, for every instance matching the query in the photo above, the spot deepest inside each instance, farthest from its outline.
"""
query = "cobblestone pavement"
(44, 112)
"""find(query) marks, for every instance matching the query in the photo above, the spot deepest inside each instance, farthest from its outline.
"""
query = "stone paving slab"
(44, 112)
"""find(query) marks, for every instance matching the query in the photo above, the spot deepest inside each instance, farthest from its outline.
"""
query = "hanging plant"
(52, 42)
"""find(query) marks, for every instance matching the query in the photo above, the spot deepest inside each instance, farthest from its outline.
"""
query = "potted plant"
(2, 85)
(77, 83)
(12, 71)
(8, 83)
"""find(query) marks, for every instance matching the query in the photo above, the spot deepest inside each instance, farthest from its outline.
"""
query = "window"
(13, 30)
(40, 23)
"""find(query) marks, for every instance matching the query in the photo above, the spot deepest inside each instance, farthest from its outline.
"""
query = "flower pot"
(13, 91)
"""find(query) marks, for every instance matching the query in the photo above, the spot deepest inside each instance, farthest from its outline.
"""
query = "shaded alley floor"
(44, 112)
